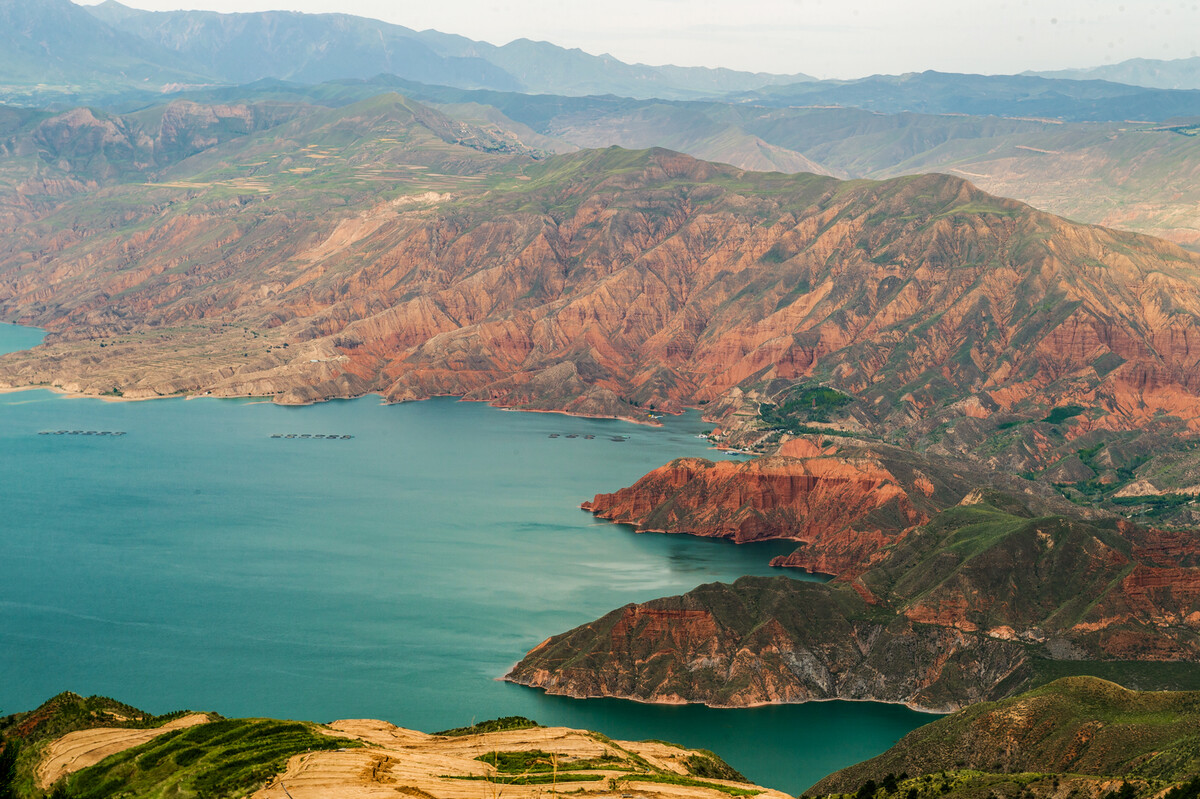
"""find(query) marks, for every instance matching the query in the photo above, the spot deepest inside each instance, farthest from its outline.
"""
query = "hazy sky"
(826, 38)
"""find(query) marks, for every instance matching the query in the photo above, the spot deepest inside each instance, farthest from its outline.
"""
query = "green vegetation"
(1188, 790)
(1158, 675)
(1056, 416)
(26, 734)
(809, 430)
(528, 763)
(1154, 506)
(224, 758)
(492, 725)
(521, 762)
(68, 712)
(956, 783)
(676, 779)
(8, 768)
(537, 767)
(1081, 725)
(1063, 413)
(707, 764)
(807, 403)
(539, 778)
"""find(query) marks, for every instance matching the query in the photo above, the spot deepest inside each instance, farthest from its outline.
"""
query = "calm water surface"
(198, 562)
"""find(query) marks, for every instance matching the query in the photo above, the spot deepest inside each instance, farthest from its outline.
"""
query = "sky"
(824, 38)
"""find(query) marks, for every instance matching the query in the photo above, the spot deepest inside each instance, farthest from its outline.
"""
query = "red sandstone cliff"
(843, 509)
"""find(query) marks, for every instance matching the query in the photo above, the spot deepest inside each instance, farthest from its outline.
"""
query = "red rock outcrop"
(1165, 596)
(843, 509)
(773, 497)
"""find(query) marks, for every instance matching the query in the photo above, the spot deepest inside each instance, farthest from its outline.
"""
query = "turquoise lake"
(198, 562)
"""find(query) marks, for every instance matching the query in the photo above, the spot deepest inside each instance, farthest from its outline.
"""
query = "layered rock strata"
(972, 605)
(842, 506)
(602, 282)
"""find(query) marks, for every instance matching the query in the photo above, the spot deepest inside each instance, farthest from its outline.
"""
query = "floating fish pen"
(81, 432)
(321, 436)
(588, 436)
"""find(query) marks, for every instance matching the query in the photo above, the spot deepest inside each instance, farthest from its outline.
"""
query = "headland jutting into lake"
(198, 562)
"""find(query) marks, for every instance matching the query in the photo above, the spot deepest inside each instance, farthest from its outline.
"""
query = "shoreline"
(272, 400)
(62, 392)
(641, 701)
(563, 413)
(783, 569)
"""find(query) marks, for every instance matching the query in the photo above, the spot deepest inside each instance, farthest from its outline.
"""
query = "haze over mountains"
(54, 47)
(55, 50)
(1181, 73)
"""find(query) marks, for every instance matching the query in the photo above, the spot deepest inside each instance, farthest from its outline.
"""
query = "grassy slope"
(222, 758)
(1132, 176)
(29, 733)
(225, 757)
(233, 757)
(1079, 725)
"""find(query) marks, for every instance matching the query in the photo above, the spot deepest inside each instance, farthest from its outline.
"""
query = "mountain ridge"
(1078, 725)
(615, 280)
(1023, 95)
(1178, 73)
(112, 54)
(1130, 176)
(975, 605)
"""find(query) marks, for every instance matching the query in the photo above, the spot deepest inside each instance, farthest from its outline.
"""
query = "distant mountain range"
(54, 49)
(1180, 73)
(56, 52)
(58, 46)
(988, 95)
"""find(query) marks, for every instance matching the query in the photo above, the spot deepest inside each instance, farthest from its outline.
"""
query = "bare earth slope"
(83, 748)
(397, 761)
(201, 755)
(595, 282)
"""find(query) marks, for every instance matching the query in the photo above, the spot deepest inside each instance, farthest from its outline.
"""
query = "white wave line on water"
(85, 616)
